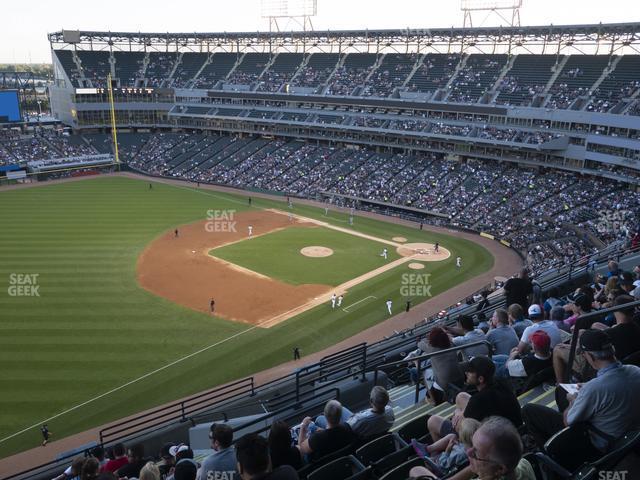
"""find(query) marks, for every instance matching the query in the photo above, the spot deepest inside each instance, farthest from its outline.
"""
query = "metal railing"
(321, 396)
(584, 322)
(420, 359)
(178, 411)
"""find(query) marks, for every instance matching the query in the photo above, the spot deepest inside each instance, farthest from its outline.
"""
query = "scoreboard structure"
(10, 106)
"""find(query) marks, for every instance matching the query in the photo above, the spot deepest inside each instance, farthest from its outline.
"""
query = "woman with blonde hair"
(150, 472)
(450, 451)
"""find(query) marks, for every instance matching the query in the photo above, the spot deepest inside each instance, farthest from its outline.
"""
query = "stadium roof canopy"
(594, 38)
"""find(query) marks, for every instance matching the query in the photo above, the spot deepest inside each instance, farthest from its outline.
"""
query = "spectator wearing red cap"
(530, 364)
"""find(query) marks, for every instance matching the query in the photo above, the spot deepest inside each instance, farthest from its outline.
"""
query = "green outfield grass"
(92, 329)
(277, 255)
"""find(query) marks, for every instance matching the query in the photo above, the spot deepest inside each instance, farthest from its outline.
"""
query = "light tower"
(507, 11)
(284, 15)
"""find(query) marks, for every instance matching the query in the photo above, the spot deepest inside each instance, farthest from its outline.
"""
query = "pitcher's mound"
(399, 239)
(423, 251)
(316, 252)
(416, 266)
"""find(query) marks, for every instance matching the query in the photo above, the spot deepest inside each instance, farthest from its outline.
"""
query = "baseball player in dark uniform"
(45, 434)
(212, 305)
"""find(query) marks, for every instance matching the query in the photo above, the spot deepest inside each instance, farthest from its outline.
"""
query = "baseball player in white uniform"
(340, 300)
(326, 211)
(458, 262)
(389, 305)
(333, 301)
(384, 253)
(250, 230)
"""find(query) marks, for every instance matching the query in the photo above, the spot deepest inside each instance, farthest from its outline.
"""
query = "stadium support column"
(112, 110)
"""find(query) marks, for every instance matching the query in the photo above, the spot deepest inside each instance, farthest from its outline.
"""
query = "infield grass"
(277, 255)
(92, 329)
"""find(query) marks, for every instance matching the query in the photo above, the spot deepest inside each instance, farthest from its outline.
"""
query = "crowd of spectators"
(488, 431)
(553, 217)
(344, 80)
(473, 79)
(44, 145)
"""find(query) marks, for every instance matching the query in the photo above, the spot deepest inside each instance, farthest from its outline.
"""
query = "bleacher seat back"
(621, 448)
(392, 460)
(416, 428)
(339, 469)
(571, 447)
(401, 472)
(307, 469)
(633, 359)
(378, 448)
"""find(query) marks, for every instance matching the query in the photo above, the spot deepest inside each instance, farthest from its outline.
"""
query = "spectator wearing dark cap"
(608, 403)
(625, 280)
(539, 323)
(252, 454)
(186, 469)
(221, 464)
(581, 305)
(493, 398)
(166, 459)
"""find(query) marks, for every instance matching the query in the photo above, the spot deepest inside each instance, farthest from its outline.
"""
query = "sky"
(23, 36)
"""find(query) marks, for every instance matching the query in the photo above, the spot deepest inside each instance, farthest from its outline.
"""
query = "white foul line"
(365, 298)
(129, 383)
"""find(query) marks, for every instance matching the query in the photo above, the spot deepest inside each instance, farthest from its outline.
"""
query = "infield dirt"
(180, 269)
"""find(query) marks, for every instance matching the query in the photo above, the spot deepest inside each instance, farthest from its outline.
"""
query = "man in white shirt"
(547, 326)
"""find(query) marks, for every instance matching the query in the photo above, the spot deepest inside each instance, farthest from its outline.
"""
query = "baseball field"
(107, 282)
